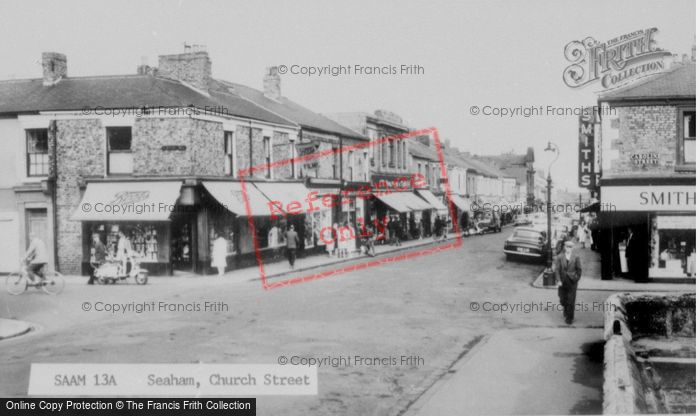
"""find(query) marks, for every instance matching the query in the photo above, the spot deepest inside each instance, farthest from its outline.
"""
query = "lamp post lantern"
(548, 274)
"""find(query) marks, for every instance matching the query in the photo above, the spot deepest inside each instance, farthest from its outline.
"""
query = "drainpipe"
(53, 182)
(340, 196)
(250, 148)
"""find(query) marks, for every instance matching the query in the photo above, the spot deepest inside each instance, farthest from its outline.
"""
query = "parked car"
(522, 220)
(488, 227)
(526, 242)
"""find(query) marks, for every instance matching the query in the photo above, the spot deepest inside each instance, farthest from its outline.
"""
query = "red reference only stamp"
(332, 215)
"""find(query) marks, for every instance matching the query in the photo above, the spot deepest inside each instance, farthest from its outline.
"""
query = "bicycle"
(18, 282)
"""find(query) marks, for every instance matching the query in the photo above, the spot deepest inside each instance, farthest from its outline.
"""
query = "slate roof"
(678, 82)
(422, 151)
(291, 110)
(122, 91)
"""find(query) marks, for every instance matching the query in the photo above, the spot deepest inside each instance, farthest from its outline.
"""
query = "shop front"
(648, 232)
(428, 216)
(463, 209)
(138, 211)
(404, 208)
(256, 218)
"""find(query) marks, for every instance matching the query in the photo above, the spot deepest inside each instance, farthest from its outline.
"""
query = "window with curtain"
(37, 152)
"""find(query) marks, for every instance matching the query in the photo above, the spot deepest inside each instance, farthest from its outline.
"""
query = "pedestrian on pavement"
(581, 234)
(123, 252)
(438, 227)
(330, 240)
(218, 255)
(393, 231)
(567, 272)
(588, 239)
(100, 256)
(292, 243)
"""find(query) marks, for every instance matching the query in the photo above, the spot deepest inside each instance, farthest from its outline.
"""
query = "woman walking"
(218, 255)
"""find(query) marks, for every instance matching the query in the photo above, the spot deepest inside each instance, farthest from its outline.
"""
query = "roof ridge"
(645, 80)
(288, 101)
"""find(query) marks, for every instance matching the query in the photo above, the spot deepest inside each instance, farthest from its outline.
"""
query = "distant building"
(520, 167)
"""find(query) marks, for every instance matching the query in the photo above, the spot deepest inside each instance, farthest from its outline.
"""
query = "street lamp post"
(548, 274)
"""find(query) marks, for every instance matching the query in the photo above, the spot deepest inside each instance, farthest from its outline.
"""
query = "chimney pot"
(54, 66)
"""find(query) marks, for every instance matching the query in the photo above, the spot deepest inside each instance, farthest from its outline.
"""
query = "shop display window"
(144, 239)
(672, 247)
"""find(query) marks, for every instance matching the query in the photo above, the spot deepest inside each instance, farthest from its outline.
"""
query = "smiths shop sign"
(587, 172)
(614, 63)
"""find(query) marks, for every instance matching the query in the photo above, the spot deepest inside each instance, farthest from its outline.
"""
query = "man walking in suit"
(567, 272)
(292, 243)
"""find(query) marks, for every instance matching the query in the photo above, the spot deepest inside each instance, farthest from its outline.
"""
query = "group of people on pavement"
(101, 254)
(220, 249)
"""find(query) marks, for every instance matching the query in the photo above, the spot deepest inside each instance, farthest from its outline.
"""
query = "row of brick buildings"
(157, 155)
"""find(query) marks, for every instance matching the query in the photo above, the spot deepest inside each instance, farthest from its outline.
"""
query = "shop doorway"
(37, 222)
(182, 243)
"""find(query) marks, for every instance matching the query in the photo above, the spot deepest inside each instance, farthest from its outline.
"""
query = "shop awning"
(128, 201)
(462, 204)
(432, 200)
(594, 207)
(283, 193)
(230, 195)
(403, 201)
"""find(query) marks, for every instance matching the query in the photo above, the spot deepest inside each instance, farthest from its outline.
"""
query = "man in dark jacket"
(292, 244)
(567, 272)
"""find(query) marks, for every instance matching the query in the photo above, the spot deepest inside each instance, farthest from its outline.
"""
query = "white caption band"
(171, 380)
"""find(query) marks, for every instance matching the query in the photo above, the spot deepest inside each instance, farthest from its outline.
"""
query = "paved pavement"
(590, 279)
(530, 371)
(280, 269)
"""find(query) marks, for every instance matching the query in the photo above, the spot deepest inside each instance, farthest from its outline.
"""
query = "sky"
(473, 53)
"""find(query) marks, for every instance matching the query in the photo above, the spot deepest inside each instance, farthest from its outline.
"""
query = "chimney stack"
(272, 83)
(192, 67)
(55, 67)
(143, 68)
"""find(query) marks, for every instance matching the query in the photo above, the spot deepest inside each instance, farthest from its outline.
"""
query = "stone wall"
(281, 150)
(80, 154)
(243, 142)
(644, 130)
(202, 154)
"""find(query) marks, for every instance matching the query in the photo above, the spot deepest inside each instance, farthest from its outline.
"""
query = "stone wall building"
(155, 155)
(647, 187)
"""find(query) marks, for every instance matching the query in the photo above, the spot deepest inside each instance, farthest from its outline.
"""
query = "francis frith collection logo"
(613, 63)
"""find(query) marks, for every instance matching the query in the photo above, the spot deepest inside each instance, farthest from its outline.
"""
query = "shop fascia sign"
(649, 198)
(306, 149)
(587, 176)
(613, 63)
(130, 197)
